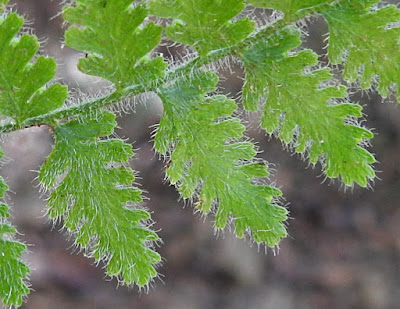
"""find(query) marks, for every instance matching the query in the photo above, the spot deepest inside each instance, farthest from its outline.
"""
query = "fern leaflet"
(95, 197)
(301, 111)
(209, 162)
(117, 47)
(22, 83)
(371, 38)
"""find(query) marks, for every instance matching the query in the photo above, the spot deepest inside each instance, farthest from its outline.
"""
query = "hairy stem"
(181, 70)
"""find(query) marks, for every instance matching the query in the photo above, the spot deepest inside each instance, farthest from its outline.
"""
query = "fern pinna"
(211, 162)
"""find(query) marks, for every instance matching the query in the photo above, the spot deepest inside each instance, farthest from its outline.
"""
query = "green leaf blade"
(96, 198)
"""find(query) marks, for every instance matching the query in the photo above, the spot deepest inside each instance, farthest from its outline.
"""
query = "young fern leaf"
(23, 93)
(300, 110)
(210, 162)
(371, 40)
(291, 8)
(13, 272)
(117, 47)
(204, 25)
(95, 197)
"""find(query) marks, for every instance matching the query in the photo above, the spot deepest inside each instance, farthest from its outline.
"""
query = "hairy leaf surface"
(13, 272)
(23, 91)
(205, 25)
(300, 110)
(116, 43)
(209, 161)
(95, 197)
(367, 41)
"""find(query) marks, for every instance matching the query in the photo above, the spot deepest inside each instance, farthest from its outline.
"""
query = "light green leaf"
(291, 8)
(209, 160)
(303, 112)
(23, 90)
(116, 43)
(13, 272)
(205, 25)
(96, 199)
(368, 42)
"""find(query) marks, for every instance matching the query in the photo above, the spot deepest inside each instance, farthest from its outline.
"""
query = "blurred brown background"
(343, 250)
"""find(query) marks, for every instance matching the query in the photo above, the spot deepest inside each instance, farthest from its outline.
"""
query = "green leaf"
(205, 25)
(368, 41)
(96, 199)
(23, 90)
(13, 272)
(116, 43)
(210, 160)
(291, 8)
(303, 112)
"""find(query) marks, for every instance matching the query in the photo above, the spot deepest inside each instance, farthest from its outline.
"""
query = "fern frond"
(23, 91)
(13, 272)
(368, 41)
(299, 109)
(204, 25)
(210, 162)
(96, 199)
(116, 44)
